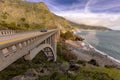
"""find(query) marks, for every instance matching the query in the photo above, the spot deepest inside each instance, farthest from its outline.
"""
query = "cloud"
(95, 12)
(35, 0)
(104, 19)
(104, 5)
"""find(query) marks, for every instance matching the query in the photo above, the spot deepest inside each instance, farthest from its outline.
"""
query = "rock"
(22, 77)
(64, 67)
(74, 67)
(31, 72)
(43, 72)
(83, 63)
(71, 73)
(72, 61)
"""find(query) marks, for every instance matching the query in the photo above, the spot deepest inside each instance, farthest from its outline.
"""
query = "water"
(105, 41)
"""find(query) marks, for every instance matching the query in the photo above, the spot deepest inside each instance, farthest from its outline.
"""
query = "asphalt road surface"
(19, 36)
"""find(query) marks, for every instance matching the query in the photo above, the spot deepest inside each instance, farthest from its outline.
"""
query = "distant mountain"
(83, 26)
(18, 14)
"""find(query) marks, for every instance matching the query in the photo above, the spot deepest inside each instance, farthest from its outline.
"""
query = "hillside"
(17, 14)
(83, 26)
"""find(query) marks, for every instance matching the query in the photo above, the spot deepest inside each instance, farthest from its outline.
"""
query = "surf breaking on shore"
(103, 53)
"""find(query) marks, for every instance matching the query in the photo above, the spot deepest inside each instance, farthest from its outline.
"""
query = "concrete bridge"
(15, 45)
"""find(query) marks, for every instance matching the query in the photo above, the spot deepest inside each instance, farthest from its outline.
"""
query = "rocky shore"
(87, 52)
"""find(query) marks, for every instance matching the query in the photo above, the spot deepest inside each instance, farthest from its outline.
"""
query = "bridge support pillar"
(29, 56)
(54, 43)
(1, 56)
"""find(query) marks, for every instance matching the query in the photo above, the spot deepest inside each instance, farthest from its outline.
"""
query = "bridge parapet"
(7, 32)
(11, 32)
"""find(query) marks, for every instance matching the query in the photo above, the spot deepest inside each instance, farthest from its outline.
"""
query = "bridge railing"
(11, 32)
(7, 32)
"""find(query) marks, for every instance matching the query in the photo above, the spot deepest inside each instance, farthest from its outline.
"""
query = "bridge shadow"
(21, 66)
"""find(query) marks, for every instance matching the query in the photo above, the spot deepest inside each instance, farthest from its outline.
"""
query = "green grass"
(86, 73)
(113, 74)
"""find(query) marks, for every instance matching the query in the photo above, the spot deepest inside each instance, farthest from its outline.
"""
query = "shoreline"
(87, 52)
(99, 51)
(103, 53)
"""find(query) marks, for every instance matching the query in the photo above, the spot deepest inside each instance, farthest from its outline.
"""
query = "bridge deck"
(19, 36)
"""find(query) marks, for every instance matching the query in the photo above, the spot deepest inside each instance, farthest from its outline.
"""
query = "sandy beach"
(85, 51)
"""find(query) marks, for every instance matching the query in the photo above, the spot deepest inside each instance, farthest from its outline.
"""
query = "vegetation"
(23, 15)
(68, 35)
(64, 54)
(110, 66)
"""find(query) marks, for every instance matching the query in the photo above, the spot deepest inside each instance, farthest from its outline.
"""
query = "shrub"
(68, 55)
(81, 62)
(110, 66)
(78, 38)
(27, 25)
(3, 23)
(59, 76)
(93, 62)
(65, 54)
(23, 19)
(67, 35)
(89, 75)
(4, 15)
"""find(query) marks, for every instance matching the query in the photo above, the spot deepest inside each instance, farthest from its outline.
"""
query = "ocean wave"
(103, 53)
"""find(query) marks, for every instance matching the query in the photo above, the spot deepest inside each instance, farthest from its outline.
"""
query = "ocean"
(104, 41)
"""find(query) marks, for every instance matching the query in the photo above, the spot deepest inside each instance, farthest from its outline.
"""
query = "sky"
(91, 12)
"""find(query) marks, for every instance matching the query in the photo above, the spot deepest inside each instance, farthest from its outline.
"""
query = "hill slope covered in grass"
(88, 27)
(23, 15)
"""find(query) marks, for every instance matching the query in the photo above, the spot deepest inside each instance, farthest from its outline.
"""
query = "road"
(19, 36)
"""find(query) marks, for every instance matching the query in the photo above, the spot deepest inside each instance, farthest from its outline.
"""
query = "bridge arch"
(46, 48)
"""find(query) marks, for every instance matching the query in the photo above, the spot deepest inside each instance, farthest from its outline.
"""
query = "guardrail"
(11, 32)
(7, 32)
